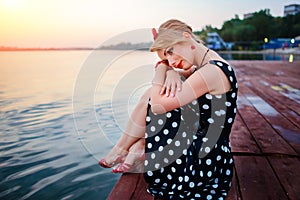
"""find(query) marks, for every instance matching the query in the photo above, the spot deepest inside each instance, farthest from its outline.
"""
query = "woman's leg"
(135, 130)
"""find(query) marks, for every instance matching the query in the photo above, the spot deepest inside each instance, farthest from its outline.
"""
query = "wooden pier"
(266, 134)
(265, 138)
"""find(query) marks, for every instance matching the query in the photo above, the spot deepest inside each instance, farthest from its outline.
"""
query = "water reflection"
(40, 150)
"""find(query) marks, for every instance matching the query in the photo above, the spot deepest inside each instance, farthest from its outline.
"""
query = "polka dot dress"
(188, 153)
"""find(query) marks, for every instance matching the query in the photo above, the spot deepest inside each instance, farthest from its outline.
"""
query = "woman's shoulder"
(217, 77)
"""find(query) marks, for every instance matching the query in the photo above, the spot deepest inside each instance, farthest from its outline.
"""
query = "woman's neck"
(201, 55)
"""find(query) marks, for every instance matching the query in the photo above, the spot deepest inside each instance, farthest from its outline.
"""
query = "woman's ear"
(186, 35)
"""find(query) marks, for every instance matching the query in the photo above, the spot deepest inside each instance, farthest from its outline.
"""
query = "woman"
(187, 144)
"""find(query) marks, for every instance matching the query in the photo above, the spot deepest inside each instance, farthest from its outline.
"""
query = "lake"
(60, 112)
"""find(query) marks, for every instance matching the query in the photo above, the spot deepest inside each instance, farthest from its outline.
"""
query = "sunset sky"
(61, 23)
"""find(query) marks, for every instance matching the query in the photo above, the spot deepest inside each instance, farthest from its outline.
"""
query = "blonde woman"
(187, 147)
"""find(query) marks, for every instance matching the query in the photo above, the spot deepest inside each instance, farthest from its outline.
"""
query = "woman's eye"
(170, 51)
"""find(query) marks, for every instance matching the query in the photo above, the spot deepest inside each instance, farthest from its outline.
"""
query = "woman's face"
(179, 56)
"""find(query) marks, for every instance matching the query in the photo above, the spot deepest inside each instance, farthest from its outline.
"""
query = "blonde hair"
(171, 33)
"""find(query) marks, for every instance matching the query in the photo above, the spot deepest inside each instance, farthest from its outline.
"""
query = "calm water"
(60, 112)
(49, 142)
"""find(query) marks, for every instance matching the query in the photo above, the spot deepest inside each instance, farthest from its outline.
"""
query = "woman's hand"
(172, 83)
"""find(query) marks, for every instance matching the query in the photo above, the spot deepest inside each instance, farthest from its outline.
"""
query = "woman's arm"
(208, 79)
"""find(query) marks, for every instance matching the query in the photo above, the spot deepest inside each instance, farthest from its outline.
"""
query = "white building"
(248, 15)
(291, 9)
(214, 41)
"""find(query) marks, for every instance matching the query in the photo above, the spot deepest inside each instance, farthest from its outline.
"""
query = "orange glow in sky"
(60, 23)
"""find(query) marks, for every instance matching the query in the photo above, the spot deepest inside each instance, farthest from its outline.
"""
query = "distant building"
(248, 15)
(214, 41)
(291, 9)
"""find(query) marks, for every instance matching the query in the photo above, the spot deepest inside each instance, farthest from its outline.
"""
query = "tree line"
(250, 33)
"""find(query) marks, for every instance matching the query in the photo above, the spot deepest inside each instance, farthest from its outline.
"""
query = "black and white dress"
(188, 153)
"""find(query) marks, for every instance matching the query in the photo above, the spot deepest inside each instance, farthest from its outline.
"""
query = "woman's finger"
(162, 91)
(167, 90)
(173, 89)
(179, 85)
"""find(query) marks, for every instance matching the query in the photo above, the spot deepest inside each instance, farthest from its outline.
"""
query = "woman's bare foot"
(134, 161)
(115, 156)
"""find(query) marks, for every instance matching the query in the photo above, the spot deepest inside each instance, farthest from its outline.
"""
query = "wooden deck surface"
(266, 134)
(265, 138)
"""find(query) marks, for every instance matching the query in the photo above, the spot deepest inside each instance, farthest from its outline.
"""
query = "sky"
(88, 23)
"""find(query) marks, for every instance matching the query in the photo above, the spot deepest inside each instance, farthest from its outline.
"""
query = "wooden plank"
(280, 69)
(272, 68)
(284, 91)
(278, 72)
(281, 124)
(258, 83)
(256, 179)
(131, 186)
(273, 94)
(282, 74)
(291, 137)
(287, 169)
(265, 136)
(240, 138)
(291, 80)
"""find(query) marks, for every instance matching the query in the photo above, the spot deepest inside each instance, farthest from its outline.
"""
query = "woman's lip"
(179, 65)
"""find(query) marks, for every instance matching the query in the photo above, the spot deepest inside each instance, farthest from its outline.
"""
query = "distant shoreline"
(295, 50)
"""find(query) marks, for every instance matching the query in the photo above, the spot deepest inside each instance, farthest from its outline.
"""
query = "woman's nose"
(171, 61)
